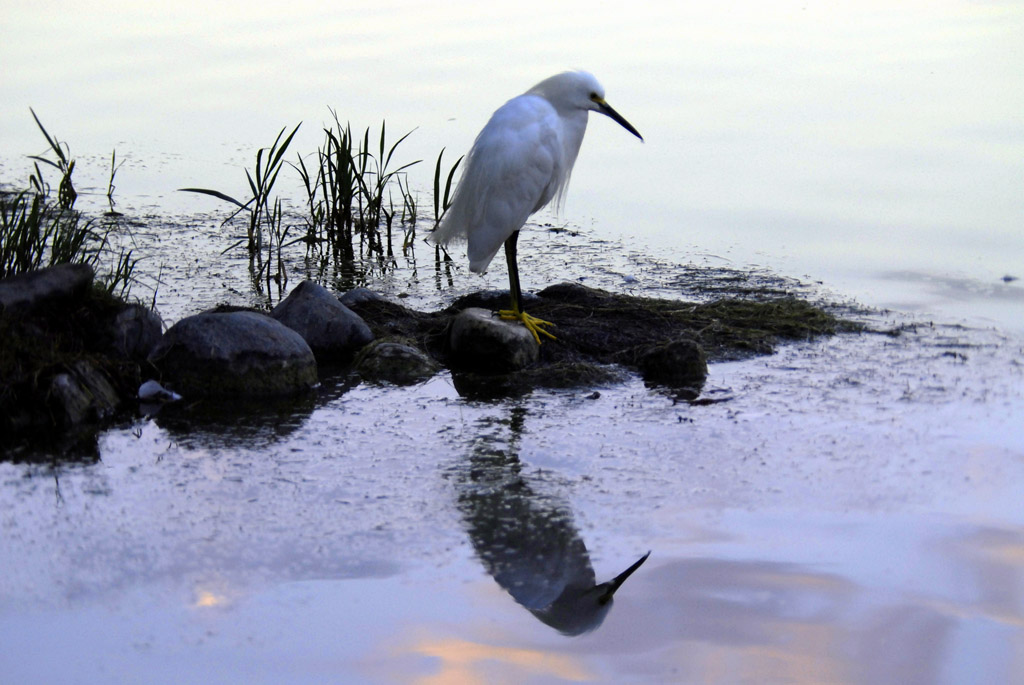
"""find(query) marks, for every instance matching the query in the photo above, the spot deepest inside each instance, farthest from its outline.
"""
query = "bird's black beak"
(616, 582)
(604, 108)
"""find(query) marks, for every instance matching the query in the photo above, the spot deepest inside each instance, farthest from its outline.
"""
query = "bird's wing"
(513, 169)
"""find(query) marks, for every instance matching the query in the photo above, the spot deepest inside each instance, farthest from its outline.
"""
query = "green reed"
(35, 234)
(66, 193)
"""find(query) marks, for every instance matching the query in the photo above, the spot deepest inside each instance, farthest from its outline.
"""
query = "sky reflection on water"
(836, 533)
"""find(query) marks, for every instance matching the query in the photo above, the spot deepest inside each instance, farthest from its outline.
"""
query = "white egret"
(521, 160)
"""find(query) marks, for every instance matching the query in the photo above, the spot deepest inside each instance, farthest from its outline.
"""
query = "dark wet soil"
(51, 341)
(601, 338)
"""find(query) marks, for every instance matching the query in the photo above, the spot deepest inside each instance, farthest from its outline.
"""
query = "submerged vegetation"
(358, 214)
(265, 226)
(355, 191)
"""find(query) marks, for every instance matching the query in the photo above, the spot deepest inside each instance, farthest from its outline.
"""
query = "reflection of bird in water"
(528, 542)
(520, 161)
(582, 604)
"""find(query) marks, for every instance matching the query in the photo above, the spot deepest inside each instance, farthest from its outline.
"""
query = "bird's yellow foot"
(532, 323)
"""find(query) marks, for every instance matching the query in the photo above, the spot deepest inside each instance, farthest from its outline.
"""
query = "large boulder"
(333, 331)
(234, 354)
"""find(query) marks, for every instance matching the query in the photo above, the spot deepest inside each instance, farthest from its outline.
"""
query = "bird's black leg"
(513, 272)
(516, 313)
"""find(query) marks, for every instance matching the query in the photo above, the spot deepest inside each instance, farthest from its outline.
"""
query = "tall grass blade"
(54, 144)
(66, 193)
(217, 194)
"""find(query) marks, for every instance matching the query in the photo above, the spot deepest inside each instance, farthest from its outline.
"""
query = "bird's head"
(579, 90)
(581, 609)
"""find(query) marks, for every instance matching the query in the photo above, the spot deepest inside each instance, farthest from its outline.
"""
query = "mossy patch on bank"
(601, 333)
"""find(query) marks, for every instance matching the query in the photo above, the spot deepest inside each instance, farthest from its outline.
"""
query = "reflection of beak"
(605, 108)
(618, 580)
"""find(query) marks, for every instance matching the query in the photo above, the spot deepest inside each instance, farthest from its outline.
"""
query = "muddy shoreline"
(602, 338)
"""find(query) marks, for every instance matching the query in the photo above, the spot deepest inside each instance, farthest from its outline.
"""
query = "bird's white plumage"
(520, 162)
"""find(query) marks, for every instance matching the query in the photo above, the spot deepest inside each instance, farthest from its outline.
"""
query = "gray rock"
(68, 400)
(82, 394)
(26, 292)
(391, 362)
(105, 398)
(333, 331)
(481, 341)
(234, 354)
(135, 331)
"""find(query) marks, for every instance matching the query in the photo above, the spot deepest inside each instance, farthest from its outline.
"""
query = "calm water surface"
(850, 513)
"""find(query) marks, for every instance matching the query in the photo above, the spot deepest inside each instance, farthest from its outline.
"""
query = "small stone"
(153, 392)
(82, 394)
(105, 399)
(482, 342)
(358, 296)
(396, 363)
(68, 399)
(678, 363)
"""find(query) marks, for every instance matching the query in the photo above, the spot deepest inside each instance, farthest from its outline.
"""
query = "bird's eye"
(594, 96)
